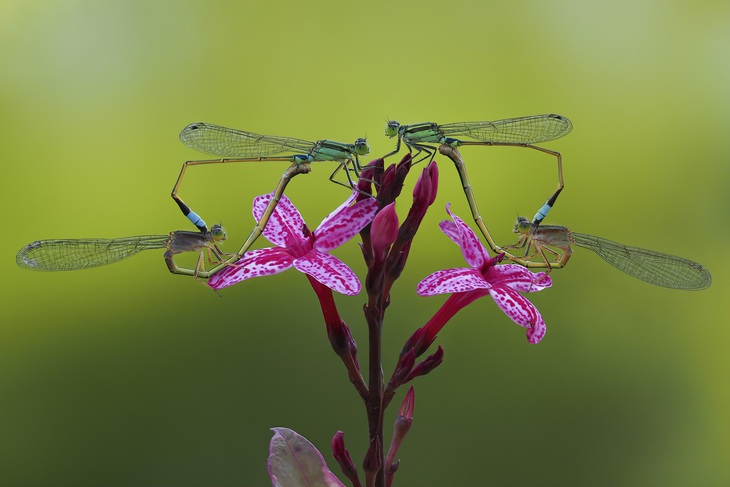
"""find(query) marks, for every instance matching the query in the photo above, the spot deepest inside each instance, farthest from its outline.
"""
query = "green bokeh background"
(127, 375)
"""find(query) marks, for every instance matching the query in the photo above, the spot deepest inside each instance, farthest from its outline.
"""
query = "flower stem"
(373, 465)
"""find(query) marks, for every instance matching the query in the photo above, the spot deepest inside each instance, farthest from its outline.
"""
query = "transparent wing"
(523, 130)
(648, 265)
(68, 255)
(225, 142)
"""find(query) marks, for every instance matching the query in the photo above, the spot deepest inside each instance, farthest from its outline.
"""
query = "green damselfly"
(648, 265)
(510, 132)
(240, 146)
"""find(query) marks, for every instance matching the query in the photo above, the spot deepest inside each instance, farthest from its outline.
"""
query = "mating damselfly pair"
(232, 146)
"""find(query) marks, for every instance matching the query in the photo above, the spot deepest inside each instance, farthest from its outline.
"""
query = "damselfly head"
(217, 232)
(361, 146)
(522, 225)
(392, 128)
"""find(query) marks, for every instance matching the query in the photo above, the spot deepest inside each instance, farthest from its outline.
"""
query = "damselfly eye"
(218, 233)
(361, 147)
(391, 129)
(523, 225)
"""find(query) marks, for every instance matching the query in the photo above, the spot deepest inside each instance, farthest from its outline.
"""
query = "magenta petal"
(330, 271)
(518, 278)
(517, 307)
(337, 210)
(537, 331)
(451, 231)
(284, 228)
(451, 281)
(348, 222)
(541, 281)
(471, 247)
(256, 263)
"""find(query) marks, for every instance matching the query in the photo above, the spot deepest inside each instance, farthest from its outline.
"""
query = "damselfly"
(511, 132)
(74, 254)
(648, 265)
(241, 146)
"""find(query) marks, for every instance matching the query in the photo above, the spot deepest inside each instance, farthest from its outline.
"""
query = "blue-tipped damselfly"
(554, 245)
(240, 146)
(75, 254)
(511, 132)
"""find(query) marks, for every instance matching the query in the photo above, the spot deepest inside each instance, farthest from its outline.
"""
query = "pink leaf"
(294, 462)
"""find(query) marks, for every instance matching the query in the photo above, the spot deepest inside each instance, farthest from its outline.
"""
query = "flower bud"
(428, 364)
(370, 173)
(400, 428)
(383, 231)
(343, 457)
(424, 188)
(434, 173)
(405, 413)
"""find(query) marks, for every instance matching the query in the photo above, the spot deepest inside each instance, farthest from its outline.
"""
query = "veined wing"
(225, 142)
(648, 265)
(68, 255)
(523, 130)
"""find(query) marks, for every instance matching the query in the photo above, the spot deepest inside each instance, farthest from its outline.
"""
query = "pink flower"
(297, 247)
(483, 277)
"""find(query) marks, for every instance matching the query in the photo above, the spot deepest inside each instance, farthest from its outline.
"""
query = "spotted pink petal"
(537, 331)
(349, 220)
(255, 263)
(337, 210)
(452, 281)
(518, 278)
(451, 231)
(471, 247)
(330, 271)
(284, 228)
(520, 310)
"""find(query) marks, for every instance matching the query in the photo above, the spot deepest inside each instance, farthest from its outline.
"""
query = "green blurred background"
(127, 375)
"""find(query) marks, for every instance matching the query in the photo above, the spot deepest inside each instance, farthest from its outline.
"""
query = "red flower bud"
(343, 458)
(428, 364)
(383, 231)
